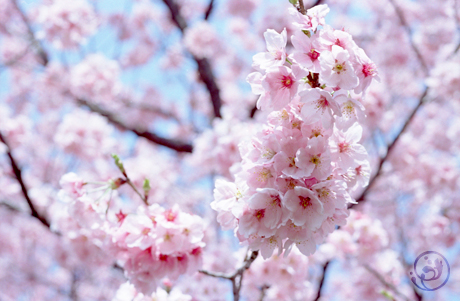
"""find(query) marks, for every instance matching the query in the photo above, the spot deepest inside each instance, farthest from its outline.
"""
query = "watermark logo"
(431, 270)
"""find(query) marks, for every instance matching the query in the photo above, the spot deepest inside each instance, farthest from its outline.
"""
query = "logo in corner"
(431, 270)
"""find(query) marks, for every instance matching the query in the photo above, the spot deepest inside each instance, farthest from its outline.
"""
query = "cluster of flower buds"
(293, 184)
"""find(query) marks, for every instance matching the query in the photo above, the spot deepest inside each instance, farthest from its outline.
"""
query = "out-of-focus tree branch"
(18, 175)
(407, 28)
(115, 120)
(317, 2)
(39, 47)
(391, 146)
(209, 10)
(152, 137)
(321, 281)
(204, 67)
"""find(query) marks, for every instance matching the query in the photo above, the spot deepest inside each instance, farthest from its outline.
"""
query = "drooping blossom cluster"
(150, 243)
(292, 186)
(67, 24)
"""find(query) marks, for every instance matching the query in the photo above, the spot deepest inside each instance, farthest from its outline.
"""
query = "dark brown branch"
(18, 175)
(204, 67)
(172, 144)
(317, 2)
(209, 10)
(253, 111)
(112, 118)
(302, 7)
(390, 147)
(321, 282)
(39, 47)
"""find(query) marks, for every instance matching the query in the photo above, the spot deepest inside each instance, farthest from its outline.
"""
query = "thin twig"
(263, 291)
(407, 28)
(237, 277)
(130, 183)
(391, 146)
(384, 282)
(18, 175)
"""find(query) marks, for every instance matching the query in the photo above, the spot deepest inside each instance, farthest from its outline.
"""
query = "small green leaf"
(146, 186)
(119, 164)
(307, 32)
(387, 295)
(293, 2)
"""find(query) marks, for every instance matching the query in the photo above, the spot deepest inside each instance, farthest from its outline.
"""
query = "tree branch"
(321, 282)
(237, 277)
(39, 47)
(18, 175)
(172, 144)
(112, 118)
(204, 67)
(302, 9)
(209, 10)
(404, 24)
(317, 2)
(263, 290)
(384, 282)
(391, 146)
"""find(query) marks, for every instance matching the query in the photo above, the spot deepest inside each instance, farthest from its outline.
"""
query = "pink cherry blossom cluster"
(150, 244)
(67, 24)
(96, 78)
(159, 243)
(283, 278)
(294, 181)
(362, 236)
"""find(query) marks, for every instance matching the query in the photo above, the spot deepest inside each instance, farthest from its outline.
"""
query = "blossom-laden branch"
(152, 137)
(204, 67)
(237, 277)
(363, 195)
(176, 145)
(18, 175)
